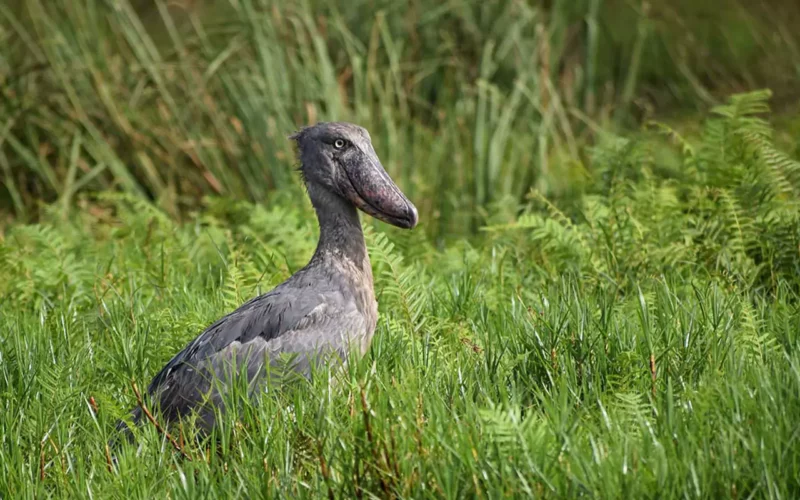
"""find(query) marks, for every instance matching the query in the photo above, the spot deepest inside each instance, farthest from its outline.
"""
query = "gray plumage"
(327, 308)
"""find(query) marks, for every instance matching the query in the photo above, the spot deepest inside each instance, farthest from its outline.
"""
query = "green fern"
(401, 284)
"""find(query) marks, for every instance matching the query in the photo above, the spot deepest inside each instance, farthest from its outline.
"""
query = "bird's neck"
(340, 234)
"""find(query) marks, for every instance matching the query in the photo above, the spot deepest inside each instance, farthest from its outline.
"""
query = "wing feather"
(260, 332)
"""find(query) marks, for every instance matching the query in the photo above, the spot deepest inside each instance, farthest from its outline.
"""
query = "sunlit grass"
(475, 384)
(644, 346)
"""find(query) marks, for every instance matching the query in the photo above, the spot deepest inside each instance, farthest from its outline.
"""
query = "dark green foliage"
(470, 103)
(728, 207)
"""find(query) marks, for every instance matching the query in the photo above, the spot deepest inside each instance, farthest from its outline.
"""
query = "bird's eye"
(338, 143)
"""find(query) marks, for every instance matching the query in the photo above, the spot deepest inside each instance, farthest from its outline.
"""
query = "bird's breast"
(357, 279)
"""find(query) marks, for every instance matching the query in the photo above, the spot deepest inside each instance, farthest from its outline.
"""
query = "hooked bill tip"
(413, 216)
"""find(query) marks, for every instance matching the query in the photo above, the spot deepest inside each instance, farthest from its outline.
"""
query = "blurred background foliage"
(471, 104)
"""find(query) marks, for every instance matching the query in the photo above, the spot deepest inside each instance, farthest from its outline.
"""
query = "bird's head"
(339, 157)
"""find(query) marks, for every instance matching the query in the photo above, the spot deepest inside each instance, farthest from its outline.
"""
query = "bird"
(325, 311)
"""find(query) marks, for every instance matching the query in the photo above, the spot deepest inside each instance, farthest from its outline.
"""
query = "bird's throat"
(340, 233)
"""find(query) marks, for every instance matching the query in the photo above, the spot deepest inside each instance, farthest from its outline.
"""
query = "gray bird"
(327, 307)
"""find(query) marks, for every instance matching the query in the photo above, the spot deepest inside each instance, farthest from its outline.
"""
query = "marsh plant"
(637, 338)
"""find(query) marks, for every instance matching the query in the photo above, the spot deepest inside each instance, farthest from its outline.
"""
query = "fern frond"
(745, 104)
(401, 284)
(688, 152)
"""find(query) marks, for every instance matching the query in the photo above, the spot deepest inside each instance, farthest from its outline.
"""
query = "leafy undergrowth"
(637, 341)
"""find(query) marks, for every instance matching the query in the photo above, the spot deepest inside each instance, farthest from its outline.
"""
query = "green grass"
(471, 103)
(586, 308)
(635, 339)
